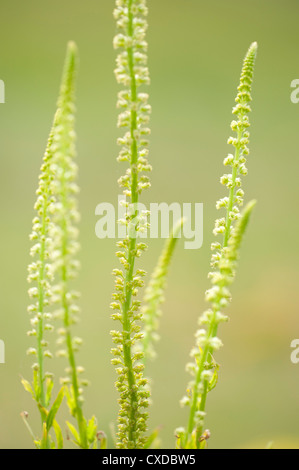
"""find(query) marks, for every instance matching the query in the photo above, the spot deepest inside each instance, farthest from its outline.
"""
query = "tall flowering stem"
(131, 73)
(66, 217)
(204, 368)
(40, 272)
(54, 250)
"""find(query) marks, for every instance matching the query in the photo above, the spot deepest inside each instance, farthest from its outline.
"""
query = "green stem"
(213, 328)
(40, 333)
(72, 362)
(132, 245)
(232, 192)
(41, 309)
(67, 324)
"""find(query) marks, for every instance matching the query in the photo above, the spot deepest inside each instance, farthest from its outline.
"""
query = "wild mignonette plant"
(54, 304)
(131, 72)
(55, 247)
(66, 246)
(204, 369)
(41, 274)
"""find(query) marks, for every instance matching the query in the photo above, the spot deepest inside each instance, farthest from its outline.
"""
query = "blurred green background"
(196, 49)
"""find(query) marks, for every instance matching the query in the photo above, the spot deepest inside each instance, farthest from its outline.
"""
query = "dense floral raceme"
(132, 73)
(54, 249)
(56, 246)
(41, 274)
(66, 217)
(204, 369)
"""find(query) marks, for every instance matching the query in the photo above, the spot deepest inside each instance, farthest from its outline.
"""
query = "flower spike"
(132, 73)
(203, 368)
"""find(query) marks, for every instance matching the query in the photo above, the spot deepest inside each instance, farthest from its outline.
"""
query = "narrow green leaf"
(240, 228)
(43, 411)
(74, 433)
(55, 408)
(153, 439)
(58, 434)
(49, 388)
(44, 440)
(70, 400)
(95, 445)
(91, 429)
(214, 380)
(36, 386)
(27, 387)
(154, 294)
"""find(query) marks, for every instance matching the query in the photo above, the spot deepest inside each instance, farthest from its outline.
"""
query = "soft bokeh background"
(196, 48)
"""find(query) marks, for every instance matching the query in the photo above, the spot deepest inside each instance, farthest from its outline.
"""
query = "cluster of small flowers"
(130, 427)
(41, 270)
(237, 161)
(224, 255)
(65, 232)
(218, 295)
(131, 72)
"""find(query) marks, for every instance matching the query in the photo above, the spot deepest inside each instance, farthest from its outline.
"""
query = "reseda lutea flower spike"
(66, 217)
(131, 73)
(55, 235)
(204, 369)
(41, 272)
